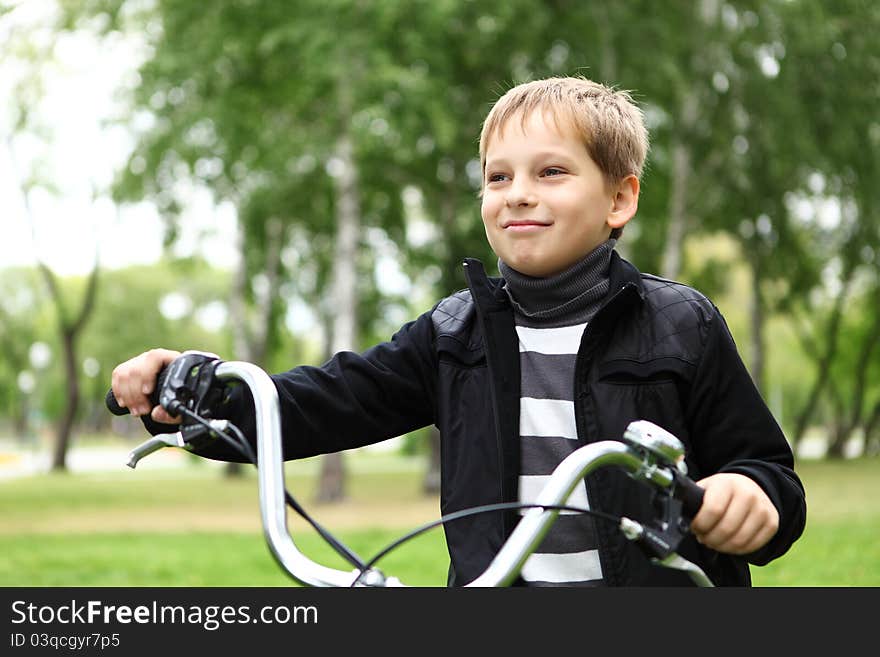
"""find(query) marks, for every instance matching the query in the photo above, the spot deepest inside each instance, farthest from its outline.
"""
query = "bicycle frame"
(504, 568)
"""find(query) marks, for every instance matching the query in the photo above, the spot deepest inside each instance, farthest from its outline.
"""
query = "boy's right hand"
(134, 380)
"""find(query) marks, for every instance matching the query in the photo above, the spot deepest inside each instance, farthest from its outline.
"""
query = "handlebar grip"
(690, 494)
(114, 407)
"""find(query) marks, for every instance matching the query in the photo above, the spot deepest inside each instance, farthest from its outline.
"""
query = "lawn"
(191, 527)
(841, 543)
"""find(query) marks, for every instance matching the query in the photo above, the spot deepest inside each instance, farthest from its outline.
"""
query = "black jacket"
(656, 350)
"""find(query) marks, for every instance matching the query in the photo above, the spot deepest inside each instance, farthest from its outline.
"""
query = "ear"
(624, 202)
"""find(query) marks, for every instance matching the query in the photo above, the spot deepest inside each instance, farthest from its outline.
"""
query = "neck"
(572, 295)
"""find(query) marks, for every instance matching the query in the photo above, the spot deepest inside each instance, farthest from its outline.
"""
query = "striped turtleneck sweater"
(551, 315)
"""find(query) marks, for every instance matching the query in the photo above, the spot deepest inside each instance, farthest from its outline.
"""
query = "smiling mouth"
(517, 226)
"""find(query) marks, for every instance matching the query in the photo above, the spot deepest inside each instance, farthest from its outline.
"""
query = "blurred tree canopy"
(319, 120)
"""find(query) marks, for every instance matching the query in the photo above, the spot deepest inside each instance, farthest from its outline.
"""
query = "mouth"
(520, 225)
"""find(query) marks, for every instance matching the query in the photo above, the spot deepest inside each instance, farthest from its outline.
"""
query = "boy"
(566, 348)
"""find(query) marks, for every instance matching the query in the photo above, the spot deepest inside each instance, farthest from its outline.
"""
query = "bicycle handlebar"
(271, 480)
(535, 523)
(648, 453)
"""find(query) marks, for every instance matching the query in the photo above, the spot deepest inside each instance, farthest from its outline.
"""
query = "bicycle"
(190, 384)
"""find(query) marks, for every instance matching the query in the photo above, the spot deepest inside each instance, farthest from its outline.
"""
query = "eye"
(495, 177)
(552, 171)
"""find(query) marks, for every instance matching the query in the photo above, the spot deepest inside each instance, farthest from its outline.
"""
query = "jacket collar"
(489, 292)
(621, 274)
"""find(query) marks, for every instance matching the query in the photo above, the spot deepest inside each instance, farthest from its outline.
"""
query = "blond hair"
(608, 121)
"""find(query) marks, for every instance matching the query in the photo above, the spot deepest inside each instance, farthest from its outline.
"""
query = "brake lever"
(660, 551)
(677, 562)
(190, 437)
(154, 444)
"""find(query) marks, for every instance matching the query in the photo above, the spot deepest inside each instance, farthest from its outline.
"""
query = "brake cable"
(241, 444)
(486, 508)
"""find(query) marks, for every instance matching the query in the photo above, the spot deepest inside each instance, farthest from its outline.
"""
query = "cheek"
(487, 213)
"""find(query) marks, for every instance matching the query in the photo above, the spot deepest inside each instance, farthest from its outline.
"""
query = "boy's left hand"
(737, 517)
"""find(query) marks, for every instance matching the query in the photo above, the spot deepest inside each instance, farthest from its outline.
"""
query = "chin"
(535, 271)
(530, 264)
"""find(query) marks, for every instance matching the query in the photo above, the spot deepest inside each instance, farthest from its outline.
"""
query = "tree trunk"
(847, 422)
(708, 12)
(21, 425)
(602, 12)
(238, 319)
(431, 482)
(251, 329)
(238, 313)
(866, 358)
(677, 227)
(251, 342)
(65, 426)
(69, 332)
(871, 431)
(331, 487)
(823, 364)
(837, 444)
(837, 427)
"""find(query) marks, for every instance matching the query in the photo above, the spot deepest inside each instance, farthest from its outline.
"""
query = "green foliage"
(772, 103)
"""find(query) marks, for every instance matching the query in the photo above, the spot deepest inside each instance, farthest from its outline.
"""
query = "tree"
(836, 93)
(70, 324)
(323, 121)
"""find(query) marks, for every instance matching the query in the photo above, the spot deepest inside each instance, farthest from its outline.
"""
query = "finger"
(155, 360)
(138, 403)
(715, 502)
(759, 540)
(757, 529)
(159, 414)
(125, 387)
(130, 383)
(736, 528)
(746, 539)
(116, 387)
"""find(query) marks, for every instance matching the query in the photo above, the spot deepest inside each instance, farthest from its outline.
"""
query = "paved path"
(16, 461)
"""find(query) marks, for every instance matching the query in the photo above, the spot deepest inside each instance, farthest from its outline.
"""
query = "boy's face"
(546, 204)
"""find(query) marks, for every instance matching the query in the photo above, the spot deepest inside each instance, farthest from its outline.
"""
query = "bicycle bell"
(656, 442)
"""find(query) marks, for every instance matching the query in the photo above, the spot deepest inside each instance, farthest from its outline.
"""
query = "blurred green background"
(190, 178)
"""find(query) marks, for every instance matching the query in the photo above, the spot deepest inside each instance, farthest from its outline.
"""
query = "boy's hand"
(134, 380)
(737, 517)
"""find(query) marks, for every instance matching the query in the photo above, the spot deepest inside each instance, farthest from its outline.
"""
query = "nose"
(520, 193)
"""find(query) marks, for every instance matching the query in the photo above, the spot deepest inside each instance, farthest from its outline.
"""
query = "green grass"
(194, 528)
(197, 559)
(841, 543)
(154, 527)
